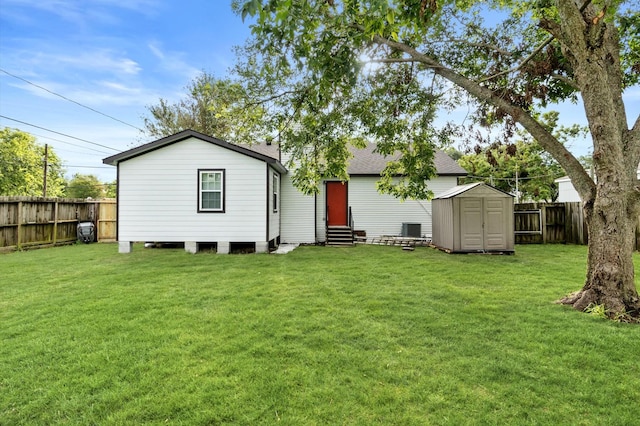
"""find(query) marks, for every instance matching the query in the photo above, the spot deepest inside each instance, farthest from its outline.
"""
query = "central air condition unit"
(411, 230)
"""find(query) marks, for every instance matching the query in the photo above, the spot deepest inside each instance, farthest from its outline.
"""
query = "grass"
(364, 335)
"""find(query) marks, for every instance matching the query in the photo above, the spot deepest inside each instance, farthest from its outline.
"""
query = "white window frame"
(275, 181)
(201, 191)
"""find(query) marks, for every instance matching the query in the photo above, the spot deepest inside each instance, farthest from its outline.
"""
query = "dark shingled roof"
(264, 149)
(364, 162)
(369, 163)
(186, 134)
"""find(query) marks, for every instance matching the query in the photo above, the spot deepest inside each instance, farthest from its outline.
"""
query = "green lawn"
(364, 335)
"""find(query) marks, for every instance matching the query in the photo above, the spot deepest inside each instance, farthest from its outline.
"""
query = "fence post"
(19, 231)
(55, 223)
(543, 220)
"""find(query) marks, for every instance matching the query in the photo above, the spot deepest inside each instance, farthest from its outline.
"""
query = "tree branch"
(552, 28)
(565, 80)
(390, 60)
(633, 142)
(581, 180)
(479, 45)
(521, 64)
(274, 97)
(636, 127)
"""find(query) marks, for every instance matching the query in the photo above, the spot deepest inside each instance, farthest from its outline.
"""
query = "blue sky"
(117, 57)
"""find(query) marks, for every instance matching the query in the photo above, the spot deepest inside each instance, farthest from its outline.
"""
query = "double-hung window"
(211, 191)
(276, 192)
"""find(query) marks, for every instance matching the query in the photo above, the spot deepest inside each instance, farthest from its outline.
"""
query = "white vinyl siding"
(296, 210)
(382, 214)
(566, 192)
(273, 208)
(321, 214)
(158, 195)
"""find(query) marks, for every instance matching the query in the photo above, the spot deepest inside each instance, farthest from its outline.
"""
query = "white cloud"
(156, 51)
(103, 61)
(80, 12)
(36, 58)
(173, 62)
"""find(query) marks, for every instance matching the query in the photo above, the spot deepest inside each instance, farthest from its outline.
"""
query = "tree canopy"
(85, 186)
(521, 167)
(335, 72)
(22, 166)
(215, 107)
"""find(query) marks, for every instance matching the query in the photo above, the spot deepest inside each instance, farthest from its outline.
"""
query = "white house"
(566, 191)
(194, 189)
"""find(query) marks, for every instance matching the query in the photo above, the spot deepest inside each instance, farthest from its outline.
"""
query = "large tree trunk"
(592, 47)
(610, 271)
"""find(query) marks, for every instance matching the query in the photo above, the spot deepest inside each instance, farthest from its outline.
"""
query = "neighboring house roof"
(461, 189)
(186, 134)
(562, 179)
(568, 179)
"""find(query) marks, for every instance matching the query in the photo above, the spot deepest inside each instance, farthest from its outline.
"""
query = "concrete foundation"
(191, 247)
(125, 246)
(223, 247)
(262, 247)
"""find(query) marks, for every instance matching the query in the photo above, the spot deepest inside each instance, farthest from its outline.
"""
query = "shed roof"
(461, 189)
(186, 134)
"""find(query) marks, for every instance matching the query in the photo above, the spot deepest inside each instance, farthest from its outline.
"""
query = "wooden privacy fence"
(35, 221)
(542, 223)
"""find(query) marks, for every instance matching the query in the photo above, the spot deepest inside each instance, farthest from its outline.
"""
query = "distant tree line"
(22, 167)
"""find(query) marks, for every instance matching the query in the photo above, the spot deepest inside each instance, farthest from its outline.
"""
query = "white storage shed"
(473, 218)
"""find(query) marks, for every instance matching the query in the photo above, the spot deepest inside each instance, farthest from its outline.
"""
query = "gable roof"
(365, 162)
(186, 134)
(461, 189)
(368, 162)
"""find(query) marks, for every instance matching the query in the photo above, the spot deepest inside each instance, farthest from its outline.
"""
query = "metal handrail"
(350, 219)
(326, 216)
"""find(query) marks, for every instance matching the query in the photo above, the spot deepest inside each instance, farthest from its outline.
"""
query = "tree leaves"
(215, 107)
(348, 58)
(22, 166)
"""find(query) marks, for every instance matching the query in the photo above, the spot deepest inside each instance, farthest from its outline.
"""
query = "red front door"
(337, 213)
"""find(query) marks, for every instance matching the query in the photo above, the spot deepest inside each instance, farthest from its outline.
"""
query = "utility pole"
(46, 166)
(517, 189)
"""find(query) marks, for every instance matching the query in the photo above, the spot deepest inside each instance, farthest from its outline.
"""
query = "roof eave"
(185, 134)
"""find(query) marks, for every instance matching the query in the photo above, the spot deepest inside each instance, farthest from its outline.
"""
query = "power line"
(69, 143)
(57, 133)
(513, 178)
(89, 167)
(70, 100)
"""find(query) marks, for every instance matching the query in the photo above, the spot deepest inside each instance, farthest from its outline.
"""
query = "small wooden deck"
(392, 240)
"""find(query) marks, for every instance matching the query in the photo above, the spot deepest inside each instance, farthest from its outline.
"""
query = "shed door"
(482, 224)
(337, 211)
(471, 221)
(494, 232)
